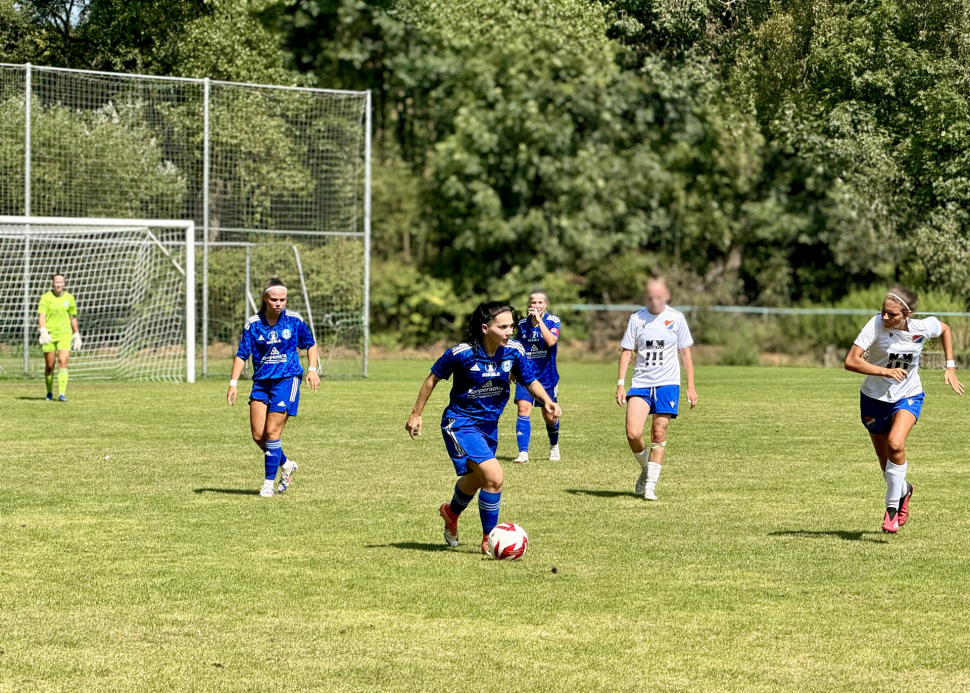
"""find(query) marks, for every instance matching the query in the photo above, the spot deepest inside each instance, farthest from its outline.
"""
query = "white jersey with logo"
(891, 348)
(656, 339)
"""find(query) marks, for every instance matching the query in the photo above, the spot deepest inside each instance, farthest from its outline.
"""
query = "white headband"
(274, 287)
(892, 295)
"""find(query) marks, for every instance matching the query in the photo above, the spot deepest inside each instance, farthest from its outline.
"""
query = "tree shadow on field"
(600, 493)
(411, 546)
(843, 534)
(230, 491)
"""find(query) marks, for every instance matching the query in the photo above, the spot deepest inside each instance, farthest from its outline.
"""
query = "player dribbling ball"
(656, 334)
(272, 338)
(892, 394)
(57, 319)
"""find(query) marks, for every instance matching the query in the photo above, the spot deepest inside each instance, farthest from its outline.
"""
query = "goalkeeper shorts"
(278, 394)
(58, 343)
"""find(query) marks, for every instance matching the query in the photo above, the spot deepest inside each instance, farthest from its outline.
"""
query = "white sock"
(642, 457)
(895, 483)
(653, 474)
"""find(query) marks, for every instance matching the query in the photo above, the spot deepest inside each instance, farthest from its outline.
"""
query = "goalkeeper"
(58, 334)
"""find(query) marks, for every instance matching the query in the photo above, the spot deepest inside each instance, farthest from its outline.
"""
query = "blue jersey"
(273, 348)
(542, 355)
(480, 390)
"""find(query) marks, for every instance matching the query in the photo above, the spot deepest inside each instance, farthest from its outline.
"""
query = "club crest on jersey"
(918, 339)
(287, 334)
(506, 366)
(669, 324)
(274, 337)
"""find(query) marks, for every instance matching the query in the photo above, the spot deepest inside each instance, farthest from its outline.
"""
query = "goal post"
(134, 283)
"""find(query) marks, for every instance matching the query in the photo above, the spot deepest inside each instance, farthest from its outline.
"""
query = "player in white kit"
(892, 395)
(657, 334)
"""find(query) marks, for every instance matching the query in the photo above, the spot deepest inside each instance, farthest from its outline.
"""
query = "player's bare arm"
(536, 390)
(855, 363)
(312, 377)
(950, 374)
(625, 355)
(413, 425)
(688, 360)
(237, 368)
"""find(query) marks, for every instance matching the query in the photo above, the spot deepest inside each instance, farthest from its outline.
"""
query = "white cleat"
(641, 484)
(554, 455)
(288, 468)
(523, 457)
(267, 490)
(648, 494)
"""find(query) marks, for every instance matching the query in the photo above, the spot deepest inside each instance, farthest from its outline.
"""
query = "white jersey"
(895, 349)
(656, 339)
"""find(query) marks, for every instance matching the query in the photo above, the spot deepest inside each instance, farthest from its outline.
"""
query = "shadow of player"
(601, 493)
(411, 546)
(230, 491)
(843, 534)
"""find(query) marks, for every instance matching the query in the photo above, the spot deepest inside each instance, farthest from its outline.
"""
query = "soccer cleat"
(485, 545)
(451, 524)
(50, 397)
(641, 484)
(903, 513)
(267, 490)
(523, 457)
(554, 455)
(649, 494)
(61, 398)
(890, 522)
(288, 468)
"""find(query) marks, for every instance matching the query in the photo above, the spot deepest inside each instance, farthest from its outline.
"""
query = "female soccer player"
(481, 366)
(272, 338)
(58, 334)
(892, 395)
(538, 333)
(657, 334)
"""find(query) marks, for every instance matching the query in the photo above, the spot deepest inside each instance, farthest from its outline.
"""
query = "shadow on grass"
(843, 534)
(230, 491)
(411, 546)
(35, 399)
(600, 493)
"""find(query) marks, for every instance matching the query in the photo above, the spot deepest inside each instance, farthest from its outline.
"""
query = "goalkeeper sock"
(62, 381)
(274, 451)
(49, 379)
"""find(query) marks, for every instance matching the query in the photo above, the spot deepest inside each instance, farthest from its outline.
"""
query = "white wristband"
(312, 368)
(233, 382)
(951, 364)
(620, 382)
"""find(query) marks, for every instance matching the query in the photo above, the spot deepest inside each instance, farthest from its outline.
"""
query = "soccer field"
(136, 556)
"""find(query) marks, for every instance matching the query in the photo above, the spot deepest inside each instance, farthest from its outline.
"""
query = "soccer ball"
(507, 541)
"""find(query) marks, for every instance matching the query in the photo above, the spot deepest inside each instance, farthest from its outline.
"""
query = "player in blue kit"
(539, 334)
(481, 366)
(272, 337)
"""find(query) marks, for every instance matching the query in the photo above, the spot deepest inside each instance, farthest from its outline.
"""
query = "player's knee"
(525, 409)
(658, 434)
(896, 444)
(634, 435)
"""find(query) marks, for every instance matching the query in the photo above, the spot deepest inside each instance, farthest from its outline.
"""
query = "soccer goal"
(134, 283)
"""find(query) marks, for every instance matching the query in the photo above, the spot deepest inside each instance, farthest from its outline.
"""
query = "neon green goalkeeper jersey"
(58, 310)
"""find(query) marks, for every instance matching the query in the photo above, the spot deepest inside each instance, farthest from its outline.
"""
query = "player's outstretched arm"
(950, 374)
(413, 425)
(689, 369)
(536, 390)
(237, 369)
(625, 355)
(855, 363)
(312, 377)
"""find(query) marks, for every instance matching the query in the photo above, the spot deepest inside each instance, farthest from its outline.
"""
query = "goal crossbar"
(188, 271)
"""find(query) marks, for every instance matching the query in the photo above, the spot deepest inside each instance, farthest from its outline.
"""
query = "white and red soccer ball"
(507, 542)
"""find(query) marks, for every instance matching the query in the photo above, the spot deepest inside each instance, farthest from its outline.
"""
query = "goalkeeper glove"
(45, 336)
(76, 341)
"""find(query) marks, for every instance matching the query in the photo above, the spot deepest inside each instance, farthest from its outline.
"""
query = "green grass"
(760, 569)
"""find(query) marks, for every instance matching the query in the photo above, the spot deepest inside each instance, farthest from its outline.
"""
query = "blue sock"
(460, 500)
(488, 504)
(553, 431)
(523, 432)
(274, 452)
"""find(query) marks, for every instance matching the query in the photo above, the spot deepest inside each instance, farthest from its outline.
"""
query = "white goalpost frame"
(187, 225)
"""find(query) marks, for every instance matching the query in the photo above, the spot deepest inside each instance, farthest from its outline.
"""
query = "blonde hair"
(270, 283)
(906, 299)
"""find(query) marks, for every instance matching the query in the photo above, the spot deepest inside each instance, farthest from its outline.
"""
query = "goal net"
(130, 279)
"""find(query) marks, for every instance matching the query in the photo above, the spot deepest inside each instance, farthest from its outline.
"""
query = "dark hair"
(910, 297)
(272, 281)
(57, 274)
(482, 315)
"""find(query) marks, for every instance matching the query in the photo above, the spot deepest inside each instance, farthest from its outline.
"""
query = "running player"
(272, 337)
(481, 366)
(657, 334)
(892, 394)
(57, 317)
(538, 333)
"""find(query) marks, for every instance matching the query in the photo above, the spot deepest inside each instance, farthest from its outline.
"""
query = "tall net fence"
(254, 166)
(129, 284)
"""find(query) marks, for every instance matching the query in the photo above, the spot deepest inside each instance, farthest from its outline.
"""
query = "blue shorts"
(278, 394)
(469, 441)
(662, 400)
(523, 395)
(877, 416)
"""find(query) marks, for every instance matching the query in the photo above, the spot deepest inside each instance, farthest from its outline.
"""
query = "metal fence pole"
(205, 228)
(367, 154)
(27, 137)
